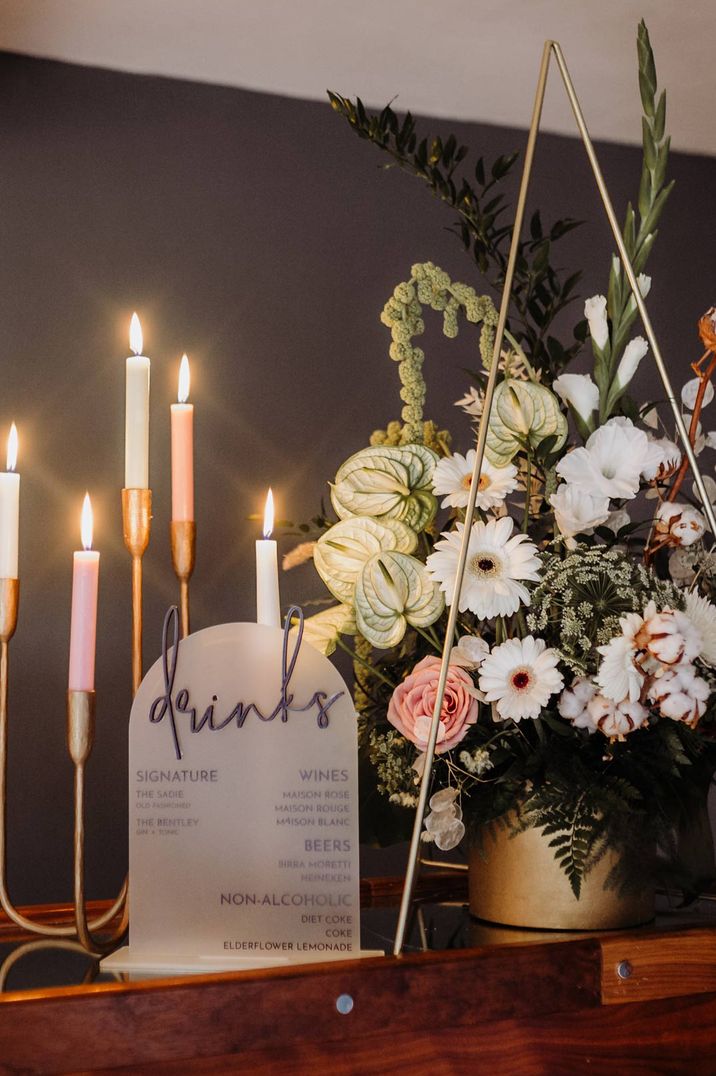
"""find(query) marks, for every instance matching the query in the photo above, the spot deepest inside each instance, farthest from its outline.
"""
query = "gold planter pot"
(516, 881)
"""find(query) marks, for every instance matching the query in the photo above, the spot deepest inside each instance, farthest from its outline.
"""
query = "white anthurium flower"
(322, 629)
(579, 392)
(663, 459)
(392, 591)
(523, 412)
(611, 462)
(681, 523)
(387, 482)
(595, 311)
(690, 391)
(340, 553)
(577, 512)
(702, 614)
(634, 352)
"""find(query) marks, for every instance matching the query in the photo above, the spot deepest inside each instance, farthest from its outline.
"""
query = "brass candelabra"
(136, 515)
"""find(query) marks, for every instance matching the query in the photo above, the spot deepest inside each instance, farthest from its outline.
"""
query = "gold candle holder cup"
(182, 535)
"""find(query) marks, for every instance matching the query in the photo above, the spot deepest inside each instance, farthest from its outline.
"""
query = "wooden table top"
(515, 1001)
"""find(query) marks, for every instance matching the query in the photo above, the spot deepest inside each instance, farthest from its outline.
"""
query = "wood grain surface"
(621, 1040)
(657, 964)
(532, 1006)
(149, 1022)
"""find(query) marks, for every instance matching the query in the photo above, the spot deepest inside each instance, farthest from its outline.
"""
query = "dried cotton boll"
(681, 695)
(670, 636)
(679, 523)
(662, 461)
(616, 719)
(573, 704)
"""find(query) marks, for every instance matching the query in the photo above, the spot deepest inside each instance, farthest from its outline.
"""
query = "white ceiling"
(463, 59)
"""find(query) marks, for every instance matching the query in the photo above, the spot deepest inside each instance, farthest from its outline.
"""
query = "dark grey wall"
(258, 234)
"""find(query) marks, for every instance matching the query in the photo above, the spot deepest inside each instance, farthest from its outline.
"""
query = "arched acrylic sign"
(243, 804)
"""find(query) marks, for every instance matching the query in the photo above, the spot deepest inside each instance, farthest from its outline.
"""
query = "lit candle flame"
(136, 340)
(12, 448)
(184, 380)
(86, 526)
(268, 514)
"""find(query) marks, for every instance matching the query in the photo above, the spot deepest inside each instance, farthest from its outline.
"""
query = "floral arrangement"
(580, 693)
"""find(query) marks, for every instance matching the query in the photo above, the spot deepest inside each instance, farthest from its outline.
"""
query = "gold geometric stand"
(551, 48)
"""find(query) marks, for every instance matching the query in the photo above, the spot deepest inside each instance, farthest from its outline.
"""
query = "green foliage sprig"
(640, 227)
(539, 291)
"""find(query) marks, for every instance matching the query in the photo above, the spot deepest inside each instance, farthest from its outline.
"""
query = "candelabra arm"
(80, 740)
(183, 543)
(136, 520)
(9, 601)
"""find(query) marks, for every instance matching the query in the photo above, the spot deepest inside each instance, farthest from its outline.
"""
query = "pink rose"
(411, 706)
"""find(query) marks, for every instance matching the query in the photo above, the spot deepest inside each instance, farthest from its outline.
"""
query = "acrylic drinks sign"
(243, 802)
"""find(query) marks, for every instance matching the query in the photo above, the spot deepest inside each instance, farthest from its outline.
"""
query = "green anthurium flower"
(392, 591)
(322, 629)
(387, 482)
(524, 413)
(340, 553)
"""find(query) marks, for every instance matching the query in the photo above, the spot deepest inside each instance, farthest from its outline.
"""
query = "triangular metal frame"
(551, 48)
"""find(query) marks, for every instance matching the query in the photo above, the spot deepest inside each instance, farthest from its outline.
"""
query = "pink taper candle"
(83, 629)
(183, 451)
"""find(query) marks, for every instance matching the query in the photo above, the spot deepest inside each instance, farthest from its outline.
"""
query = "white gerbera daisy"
(702, 613)
(495, 564)
(520, 676)
(611, 462)
(453, 476)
